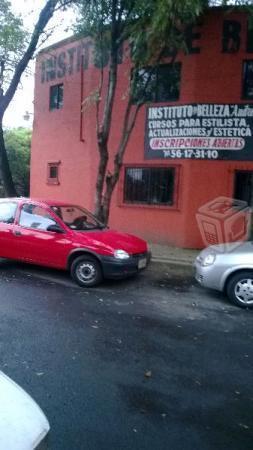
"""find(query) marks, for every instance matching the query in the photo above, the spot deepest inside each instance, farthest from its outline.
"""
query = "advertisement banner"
(200, 131)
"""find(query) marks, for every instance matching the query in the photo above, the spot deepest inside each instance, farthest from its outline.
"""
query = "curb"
(170, 261)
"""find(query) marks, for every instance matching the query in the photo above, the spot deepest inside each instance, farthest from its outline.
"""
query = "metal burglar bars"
(149, 185)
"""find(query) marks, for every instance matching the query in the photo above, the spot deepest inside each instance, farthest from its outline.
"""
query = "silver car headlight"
(121, 254)
(209, 259)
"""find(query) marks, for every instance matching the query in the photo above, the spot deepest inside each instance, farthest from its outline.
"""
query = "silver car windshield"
(77, 218)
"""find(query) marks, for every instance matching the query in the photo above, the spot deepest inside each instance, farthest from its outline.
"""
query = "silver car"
(228, 268)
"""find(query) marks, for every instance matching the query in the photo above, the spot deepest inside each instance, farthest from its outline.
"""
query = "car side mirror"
(55, 228)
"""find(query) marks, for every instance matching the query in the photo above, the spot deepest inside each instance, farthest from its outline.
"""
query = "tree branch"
(112, 81)
(44, 17)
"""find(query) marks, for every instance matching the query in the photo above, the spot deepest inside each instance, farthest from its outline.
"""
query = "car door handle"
(17, 233)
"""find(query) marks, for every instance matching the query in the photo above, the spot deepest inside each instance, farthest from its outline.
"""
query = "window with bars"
(157, 84)
(56, 97)
(247, 82)
(149, 185)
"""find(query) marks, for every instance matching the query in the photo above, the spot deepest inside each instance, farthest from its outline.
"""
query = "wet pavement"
(153, 362)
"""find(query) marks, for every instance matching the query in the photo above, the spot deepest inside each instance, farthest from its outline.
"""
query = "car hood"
(231, 247)
(110, 240)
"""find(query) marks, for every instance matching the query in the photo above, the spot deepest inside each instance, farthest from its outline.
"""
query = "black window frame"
(247, 79)
(154, 94)
(56, 92)
(164, 197)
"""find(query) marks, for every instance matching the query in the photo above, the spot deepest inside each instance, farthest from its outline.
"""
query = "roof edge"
(73, 38)
(77, 37)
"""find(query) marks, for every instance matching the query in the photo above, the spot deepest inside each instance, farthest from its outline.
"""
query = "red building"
(192, 141)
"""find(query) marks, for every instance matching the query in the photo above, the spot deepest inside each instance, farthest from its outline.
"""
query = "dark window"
(7, 212)
(244, 186)
(247, 90)
(151, 186)
(157, 84)
(56, 97)
(53, 173)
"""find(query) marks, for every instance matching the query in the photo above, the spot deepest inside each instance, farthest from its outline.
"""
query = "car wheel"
(86, 271)
(240, 289)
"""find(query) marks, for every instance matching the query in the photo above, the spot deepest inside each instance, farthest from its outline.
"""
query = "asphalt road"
(153, 362)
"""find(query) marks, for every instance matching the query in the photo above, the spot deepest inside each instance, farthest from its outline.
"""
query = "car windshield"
(77, 218)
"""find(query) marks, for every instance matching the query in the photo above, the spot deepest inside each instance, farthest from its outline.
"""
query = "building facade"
(191, 144)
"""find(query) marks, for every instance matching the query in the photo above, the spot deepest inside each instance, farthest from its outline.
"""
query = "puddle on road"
(177, 284)
(146, 401)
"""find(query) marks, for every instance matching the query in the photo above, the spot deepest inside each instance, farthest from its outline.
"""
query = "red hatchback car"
(64, 236)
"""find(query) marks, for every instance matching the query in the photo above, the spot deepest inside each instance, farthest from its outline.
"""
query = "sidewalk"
(173, 255)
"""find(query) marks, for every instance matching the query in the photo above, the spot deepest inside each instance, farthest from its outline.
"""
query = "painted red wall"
(207, 77)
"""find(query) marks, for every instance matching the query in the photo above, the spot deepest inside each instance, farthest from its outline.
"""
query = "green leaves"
(12, 40)
(149, 26)
(164, 22)
(18, 144)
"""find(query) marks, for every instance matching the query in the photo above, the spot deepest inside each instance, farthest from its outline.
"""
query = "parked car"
(64, 236)
(23, 425)
(229, 269)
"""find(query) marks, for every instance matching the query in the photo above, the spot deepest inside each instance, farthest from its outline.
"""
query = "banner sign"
(200, 131)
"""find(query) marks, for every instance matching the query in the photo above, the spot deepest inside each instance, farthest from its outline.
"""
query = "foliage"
(162, 21)
(18, 145)
(12, 41)
(16, 50)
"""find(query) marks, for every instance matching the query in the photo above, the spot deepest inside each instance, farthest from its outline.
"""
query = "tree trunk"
(103, 132)
(110, 185)
(103, 151)
(104, 128)
(131, 114)
(6, 176)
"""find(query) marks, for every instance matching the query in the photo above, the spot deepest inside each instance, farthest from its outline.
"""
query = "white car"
(23, 425)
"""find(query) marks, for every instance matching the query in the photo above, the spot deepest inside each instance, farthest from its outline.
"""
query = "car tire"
(86, 271)
(240, 289)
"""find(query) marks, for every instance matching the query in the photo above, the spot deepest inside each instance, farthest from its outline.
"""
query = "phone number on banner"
(194, 154)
